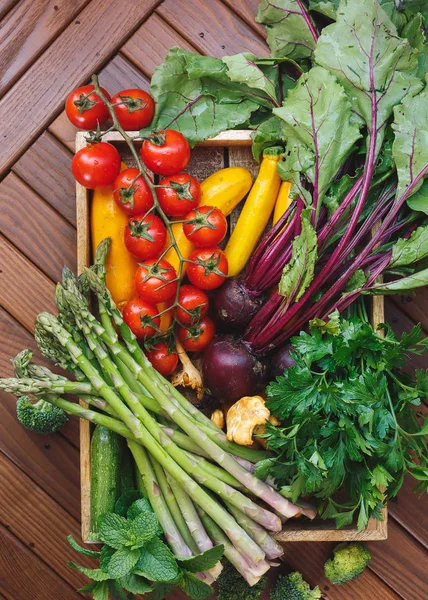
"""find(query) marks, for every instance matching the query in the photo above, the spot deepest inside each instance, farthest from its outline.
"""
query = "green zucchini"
(127, 471)
(106, 457)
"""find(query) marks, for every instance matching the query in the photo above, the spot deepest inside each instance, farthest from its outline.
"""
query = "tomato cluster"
(177, 197)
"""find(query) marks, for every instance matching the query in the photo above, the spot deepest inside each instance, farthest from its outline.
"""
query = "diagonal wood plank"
(102, 27)
(402, 563)
(27, 30)
(45, 535)
(118, 74)
(19, 339)
(400, 323)
(46, 168)
(216, 30)
(247, 10)
(38, 230)
(159, 36)
(24, 290)
(410, 511)
(415, 306)
(24, 575)
(6, 6)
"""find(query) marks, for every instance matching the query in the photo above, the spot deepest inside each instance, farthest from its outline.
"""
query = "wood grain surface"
(48, 47)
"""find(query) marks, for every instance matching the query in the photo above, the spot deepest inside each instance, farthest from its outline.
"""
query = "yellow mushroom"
(218, 418)
(261, 429)
(188, 376)
(243, 417)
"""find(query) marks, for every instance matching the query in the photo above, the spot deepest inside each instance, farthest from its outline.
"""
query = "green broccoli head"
(348, 562)
(41, 417)
(293, 587)
(232, 586)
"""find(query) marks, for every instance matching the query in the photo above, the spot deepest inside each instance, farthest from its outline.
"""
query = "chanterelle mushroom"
(243, 417)
(218, 418)
(189, 376)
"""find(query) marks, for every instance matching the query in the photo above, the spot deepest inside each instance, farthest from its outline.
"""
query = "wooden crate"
(230, 148)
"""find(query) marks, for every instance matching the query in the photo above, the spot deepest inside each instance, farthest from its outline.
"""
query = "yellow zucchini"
(282, 202)
(255, 214)
(108, 220)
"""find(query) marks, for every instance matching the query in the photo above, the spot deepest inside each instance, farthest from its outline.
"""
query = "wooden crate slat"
(45, 533)
(24, 290)
(25, 576)
(217, 31)
(46, 167)
(27, 30)
(149, 45)
(32, 112)
(38, 230)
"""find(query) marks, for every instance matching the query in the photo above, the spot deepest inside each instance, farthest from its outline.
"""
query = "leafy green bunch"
(135, 560)
(349, 419)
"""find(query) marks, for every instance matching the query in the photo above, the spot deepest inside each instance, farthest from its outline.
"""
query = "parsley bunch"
(349, 425)
(135, 560)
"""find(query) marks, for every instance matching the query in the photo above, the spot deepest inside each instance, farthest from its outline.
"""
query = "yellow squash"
(224, 190)
(256, 213)
(107, 220)
(282, 202)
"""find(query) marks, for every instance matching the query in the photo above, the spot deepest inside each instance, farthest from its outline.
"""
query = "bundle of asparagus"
(200, 485)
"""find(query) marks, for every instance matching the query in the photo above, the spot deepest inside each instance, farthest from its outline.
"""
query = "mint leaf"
(243, 68)
(100, 591)
(157, 562)
(194, 95)
(113, 530)
(95, 574)
(139, 506)
(410, 147)
(105, 556)
(202, 562)
(298, 273)
(290, 31)
(320, 132)
(125, 501)
(122, 562)
(136, 584)
(142, 529)
(194, 587)
(116, 591)
(88, 588)
(80, 550)
(161, 591)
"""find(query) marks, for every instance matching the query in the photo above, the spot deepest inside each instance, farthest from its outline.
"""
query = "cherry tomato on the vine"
(86, 110)
(164, 361)
(131, 192)
(96, 165)
(136, 109)
(145, 236)
(206, 227)
(141, 317)
(181, 193)
(208, 268)
(156, 281)
(196, 338)
(193, 305)
(166, 152)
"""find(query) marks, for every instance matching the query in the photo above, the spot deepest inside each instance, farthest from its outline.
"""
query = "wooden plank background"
(48, 47)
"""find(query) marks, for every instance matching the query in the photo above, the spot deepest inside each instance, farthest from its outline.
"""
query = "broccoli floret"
(232, 586)
(348, 562)
(293, 587)
(41, 417)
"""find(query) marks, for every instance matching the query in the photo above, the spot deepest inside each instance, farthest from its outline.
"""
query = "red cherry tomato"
(182, 194)
(164, 361)
(209, 268)
(131, 192)
(86, 110)
(193, 305)
(156, 281)
(145, 236)
(166, 152)
(207, 226)
(96, 165)
(137, 109)
(141, 317)
(197, 337)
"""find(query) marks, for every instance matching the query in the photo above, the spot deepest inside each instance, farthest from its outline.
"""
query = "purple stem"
(308, 20)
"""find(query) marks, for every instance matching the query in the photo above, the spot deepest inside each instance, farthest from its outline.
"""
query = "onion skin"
(230, 371)
(281, 360)
(234, 305)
